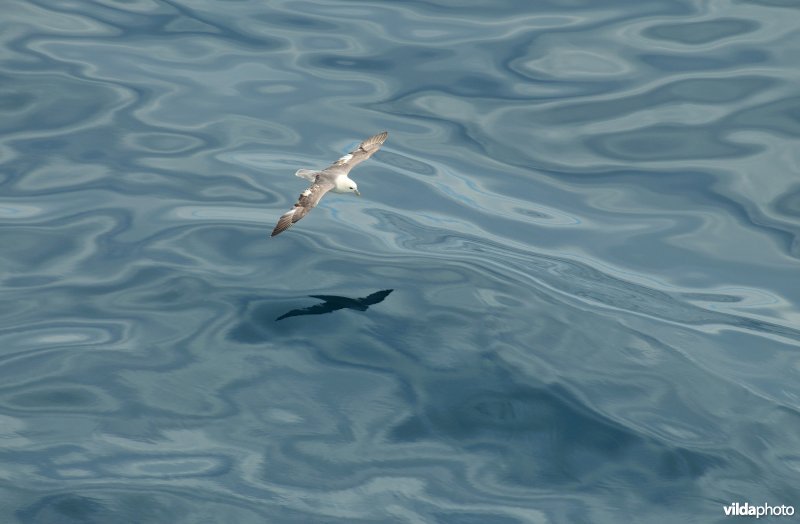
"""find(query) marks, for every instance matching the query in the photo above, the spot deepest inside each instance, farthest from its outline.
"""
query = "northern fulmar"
(332, 178)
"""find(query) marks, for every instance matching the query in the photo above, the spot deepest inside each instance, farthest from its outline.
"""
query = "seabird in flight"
(332, 178)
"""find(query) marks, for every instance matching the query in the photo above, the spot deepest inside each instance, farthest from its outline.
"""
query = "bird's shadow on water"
(333, 303)
(258, 317)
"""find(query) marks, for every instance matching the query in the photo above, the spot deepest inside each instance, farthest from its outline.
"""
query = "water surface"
(588, 212)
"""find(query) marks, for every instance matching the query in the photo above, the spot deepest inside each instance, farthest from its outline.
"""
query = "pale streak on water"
(588, 211)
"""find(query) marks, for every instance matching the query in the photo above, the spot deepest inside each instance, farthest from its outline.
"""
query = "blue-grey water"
(588, 213)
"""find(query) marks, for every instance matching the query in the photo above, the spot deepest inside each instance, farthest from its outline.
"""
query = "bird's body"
(333, 178)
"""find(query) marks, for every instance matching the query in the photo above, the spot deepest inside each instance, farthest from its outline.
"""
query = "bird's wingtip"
(375, 141)
(284, 222)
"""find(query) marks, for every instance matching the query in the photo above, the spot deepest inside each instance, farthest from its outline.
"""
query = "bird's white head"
(345, 185)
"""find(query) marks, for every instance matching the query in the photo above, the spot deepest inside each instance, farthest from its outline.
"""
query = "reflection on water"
(590, 211)
(333, 303)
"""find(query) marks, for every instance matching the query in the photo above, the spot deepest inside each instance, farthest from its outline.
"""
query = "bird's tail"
(308, 174)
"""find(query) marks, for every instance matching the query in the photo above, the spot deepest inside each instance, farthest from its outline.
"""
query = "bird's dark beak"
(357, 192)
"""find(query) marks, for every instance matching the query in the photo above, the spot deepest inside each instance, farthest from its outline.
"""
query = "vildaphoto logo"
(764, 510)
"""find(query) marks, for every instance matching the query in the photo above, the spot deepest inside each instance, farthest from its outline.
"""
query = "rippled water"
(587, 211)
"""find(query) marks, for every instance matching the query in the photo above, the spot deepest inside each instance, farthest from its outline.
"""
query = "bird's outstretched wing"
(307, 201)
(317, 309)
(376, 297)
(365, 149)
